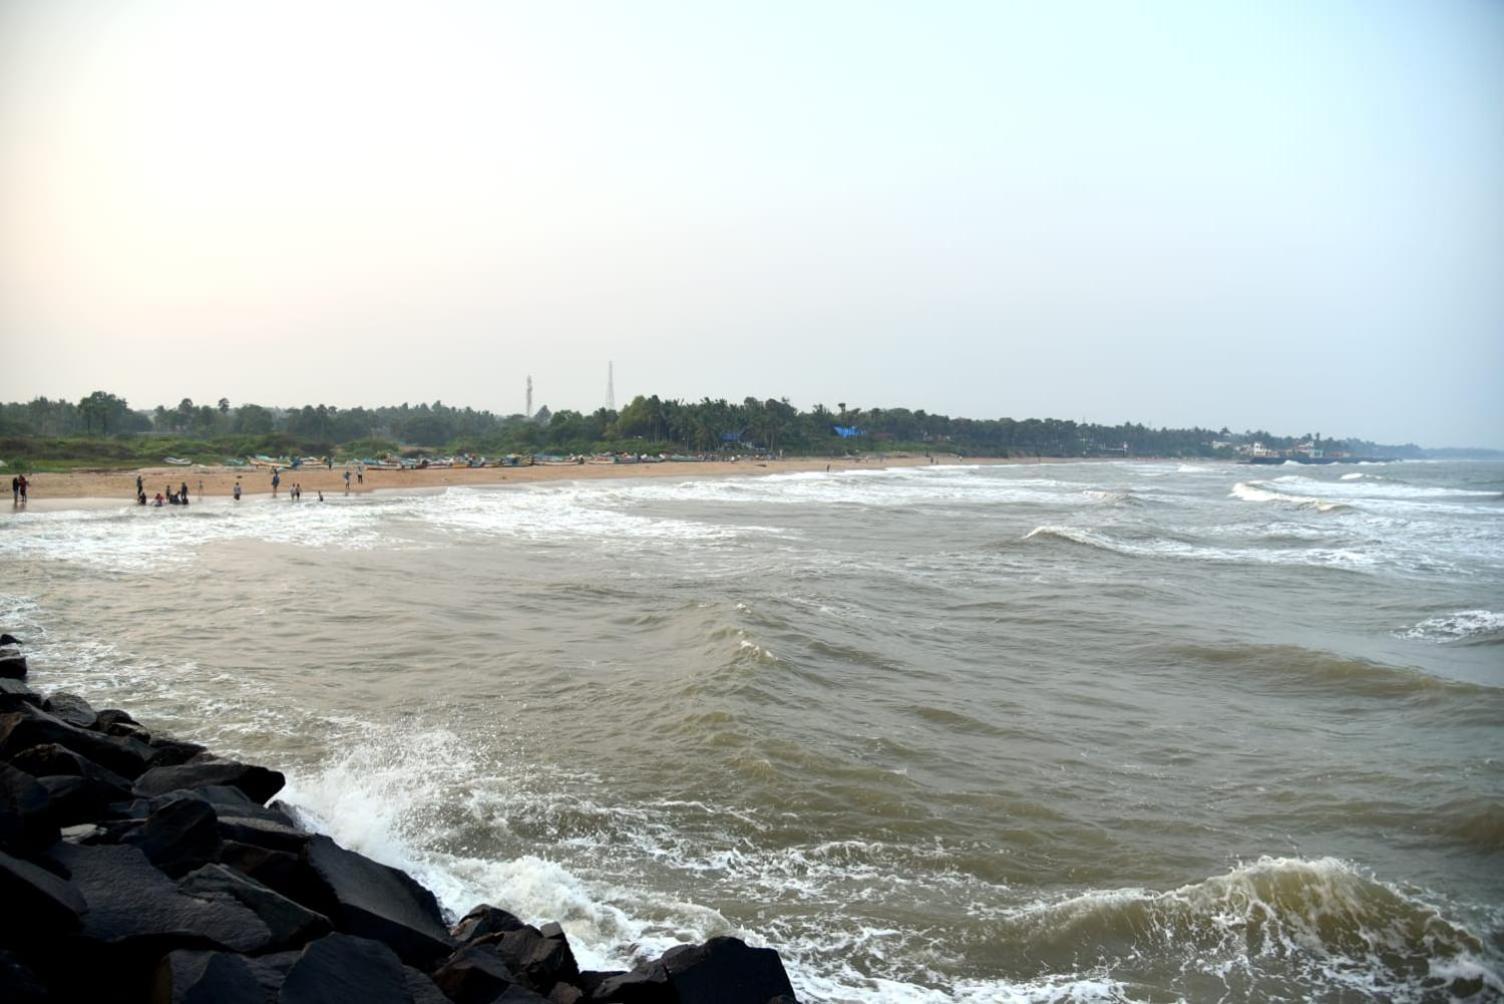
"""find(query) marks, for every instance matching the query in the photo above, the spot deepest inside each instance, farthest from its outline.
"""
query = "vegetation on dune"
(102, 430)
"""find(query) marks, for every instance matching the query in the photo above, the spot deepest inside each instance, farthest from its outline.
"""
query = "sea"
(1095, 731)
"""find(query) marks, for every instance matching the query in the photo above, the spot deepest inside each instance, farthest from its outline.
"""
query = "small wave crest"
(1254, 491)
(1462, 626)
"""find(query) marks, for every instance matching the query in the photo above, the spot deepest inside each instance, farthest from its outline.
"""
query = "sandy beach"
(50, 487)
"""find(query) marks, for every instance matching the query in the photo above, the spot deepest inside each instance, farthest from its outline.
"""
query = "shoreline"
(85, 488)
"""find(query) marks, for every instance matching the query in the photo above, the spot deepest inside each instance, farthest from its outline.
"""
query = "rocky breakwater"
(134, 867)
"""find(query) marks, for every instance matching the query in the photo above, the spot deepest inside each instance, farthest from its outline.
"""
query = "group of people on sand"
(18, 486)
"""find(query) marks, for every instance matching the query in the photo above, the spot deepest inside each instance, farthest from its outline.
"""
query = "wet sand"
(47, 488)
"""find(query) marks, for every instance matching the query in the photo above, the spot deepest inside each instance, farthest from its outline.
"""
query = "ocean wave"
(1161, 547)
(1462, 626)
(1318, 923)
(1254, 491)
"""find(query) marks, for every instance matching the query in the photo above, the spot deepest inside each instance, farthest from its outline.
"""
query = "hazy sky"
(1288, 215)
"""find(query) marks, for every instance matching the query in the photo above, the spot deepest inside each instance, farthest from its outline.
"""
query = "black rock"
(648, 985)
(196, 977)
(473, 976)
(26, 823)
(12, 666)
(271, 970)
(539, 958)
(72, 709)
(291, 924)
(114, 716)
(483, 920)
(30, 726)
(171, 752)
(18, 984)
(9, 639)
(257, 782)
(421, 988)
(51, 758)
(37, 903)
(518, 994)
(179, 836)
(565, 993)
(133, 905)
(725, 971)
(72, 800)
(278, 870)
(262, 833)
(373, 901)
(14, 693)
(339, 967)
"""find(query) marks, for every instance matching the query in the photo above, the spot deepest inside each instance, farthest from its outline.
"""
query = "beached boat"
(177, 461)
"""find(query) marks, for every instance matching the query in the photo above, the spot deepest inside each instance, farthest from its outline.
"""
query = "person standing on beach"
(236, 492)
(15, 491)
(276, 480)
(360, 474)
(347, 481)
(140, 486)
(24, 484)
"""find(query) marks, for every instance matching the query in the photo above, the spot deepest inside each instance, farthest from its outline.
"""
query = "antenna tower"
(530, 395)
(610, 387)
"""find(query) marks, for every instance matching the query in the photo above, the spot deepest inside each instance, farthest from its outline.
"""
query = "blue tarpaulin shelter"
(846, 431)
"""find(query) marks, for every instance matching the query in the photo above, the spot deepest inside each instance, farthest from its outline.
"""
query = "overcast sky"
(1258, 214)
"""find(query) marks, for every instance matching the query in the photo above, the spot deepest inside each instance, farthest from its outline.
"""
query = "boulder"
(114, 716)
(72, 709)
(134, 906)
(646, 985)
(30, 726)
(421, 988)
(518, 994)
(340, 967)
(483, 920)
(12, 665)
(179, 836)
(26, 823)
(196, 977)
(286, 873)
(565, 993)
(262, 833)
(725, 971)
(292, 925)
(51, 758)
(540, 958)
(259, 783)
(72, 800)
(37, 903)
(14, 693)
(373, 901)
(171, 752)
(473, 976)
(271, 970)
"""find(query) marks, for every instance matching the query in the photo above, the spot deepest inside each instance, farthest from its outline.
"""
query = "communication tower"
(529, 411)
(610, 387)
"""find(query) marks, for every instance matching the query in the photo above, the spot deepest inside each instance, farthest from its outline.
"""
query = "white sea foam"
(1459, 626)
(1254, 491)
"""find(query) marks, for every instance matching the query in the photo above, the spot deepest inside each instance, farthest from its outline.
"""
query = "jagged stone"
(133, 905)
(519, 994)
(114, 716)
(565, 993)
(263, 833)
(725, 971)
(72, 709)
(14, 693)
(180, 835)
(271, 970)
(186, 976)
(292, 925)
(647, 985)
(258, 783)
(422, 988)
(171, 752)
(341, 967)
(473, 975)
(540, 958)
(30, 727)
(26, 822)
(37, 903)
(483, 920)
(373, 901)
(286, 873)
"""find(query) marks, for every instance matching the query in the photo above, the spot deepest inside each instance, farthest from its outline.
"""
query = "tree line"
(646, 424)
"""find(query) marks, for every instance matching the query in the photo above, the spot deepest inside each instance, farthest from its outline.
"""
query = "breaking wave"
(1464, 626)
(1320, 924)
